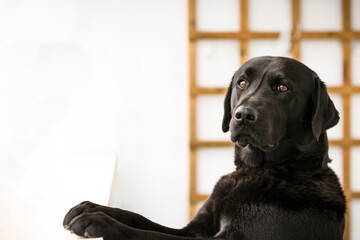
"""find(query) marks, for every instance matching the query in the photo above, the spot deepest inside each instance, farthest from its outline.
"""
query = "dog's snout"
(245, 115)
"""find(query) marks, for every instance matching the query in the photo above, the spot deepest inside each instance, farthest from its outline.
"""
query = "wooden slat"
(244, 30)
(296, 31)
(192, 84)
(192, 105)
(328, 35)
(273, 35)
(193, 183)
(191, 17)
(346, 15)
(346, 186)
(234, 35)
(347, 112)
(199, 198)
(345, 143)
(244, 46)
(345, 90)
(244, 16)
(355, 195)
(205, 144)
(209, 91)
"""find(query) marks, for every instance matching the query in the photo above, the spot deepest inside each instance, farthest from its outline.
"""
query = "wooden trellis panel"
(346, 35)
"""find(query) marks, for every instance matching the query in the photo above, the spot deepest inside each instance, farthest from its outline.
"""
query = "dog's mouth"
(250, 142)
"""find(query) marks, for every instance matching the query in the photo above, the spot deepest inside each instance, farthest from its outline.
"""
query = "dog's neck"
(306, 154)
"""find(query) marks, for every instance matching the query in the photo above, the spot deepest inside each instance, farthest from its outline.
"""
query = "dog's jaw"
(248, 156)
(314, 154)
(248, 141)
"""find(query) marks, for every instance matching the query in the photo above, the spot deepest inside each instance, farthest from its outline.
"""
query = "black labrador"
(278, 111)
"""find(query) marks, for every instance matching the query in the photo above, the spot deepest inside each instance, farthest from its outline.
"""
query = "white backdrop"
(88, 77)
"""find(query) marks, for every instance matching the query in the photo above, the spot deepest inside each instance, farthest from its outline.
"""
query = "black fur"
(282, 188)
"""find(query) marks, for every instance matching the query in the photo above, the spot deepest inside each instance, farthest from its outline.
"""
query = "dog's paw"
(98, 225)
(84, 207)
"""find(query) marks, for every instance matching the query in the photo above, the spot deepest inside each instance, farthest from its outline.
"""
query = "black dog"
(278, 111)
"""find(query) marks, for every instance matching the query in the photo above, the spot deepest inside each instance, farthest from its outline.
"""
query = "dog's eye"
(282, 88)
(242, 84)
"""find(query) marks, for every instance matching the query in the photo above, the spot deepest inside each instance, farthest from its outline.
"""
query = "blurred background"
(138, 85)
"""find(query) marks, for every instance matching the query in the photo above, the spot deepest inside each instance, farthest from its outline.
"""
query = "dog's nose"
(245, 115)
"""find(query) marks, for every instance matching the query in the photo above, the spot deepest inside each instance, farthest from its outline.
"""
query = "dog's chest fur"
(259, 195)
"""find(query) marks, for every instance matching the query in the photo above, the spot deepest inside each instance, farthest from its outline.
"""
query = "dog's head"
(274, 100)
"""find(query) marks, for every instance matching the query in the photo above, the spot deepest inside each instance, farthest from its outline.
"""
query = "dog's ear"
(324, 115)
(227, 109)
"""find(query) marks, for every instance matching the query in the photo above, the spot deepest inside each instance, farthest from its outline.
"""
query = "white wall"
(88, 77)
